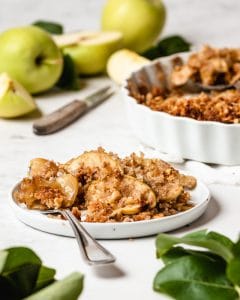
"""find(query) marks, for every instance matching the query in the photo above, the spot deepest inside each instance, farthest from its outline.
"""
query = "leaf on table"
(178, 252)
(233, 268)
(68, 288)
(168, 46)
(7, 287)
(3, 259)
(69, 79)
(24, 278)
(18, 256)
(195, 278)
(21, 268)
(51, 27)
(212, 241)
(45, 277)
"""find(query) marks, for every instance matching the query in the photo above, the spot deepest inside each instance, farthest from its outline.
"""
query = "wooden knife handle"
(60, 118)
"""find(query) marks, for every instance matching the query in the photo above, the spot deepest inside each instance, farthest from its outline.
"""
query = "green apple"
(15, 101)
(29, 55)
(89, 50)
(140, 21)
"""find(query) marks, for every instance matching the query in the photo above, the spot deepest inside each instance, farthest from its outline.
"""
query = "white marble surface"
(214, 22)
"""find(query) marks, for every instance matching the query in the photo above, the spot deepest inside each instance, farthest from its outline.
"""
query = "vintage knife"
(67, 114)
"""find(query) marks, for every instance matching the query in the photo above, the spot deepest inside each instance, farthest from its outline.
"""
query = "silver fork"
(92, 251)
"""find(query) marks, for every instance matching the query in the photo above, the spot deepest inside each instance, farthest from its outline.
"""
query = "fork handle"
(60, 118)
(93, 252)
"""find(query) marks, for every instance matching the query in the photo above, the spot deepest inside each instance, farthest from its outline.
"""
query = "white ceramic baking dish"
(205, 141)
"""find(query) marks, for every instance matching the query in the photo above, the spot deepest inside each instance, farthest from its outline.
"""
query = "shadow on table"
(211, 212)
(108, 271)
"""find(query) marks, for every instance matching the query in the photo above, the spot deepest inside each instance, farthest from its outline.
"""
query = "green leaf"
(178, 252)
(168, 46)
(212, 241)
(68, 288)
(51, 27)
(7, 287)
(45, 277)
(195, 278)
(69, 79)
(24, 278)
(233, 268)
(21, 269)
(3, 259)
(18, 256)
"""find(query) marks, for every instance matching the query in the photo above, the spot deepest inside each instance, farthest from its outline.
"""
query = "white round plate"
(200, 196)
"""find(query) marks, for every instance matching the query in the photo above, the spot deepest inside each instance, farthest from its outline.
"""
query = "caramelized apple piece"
(43, 168)
(39, 193)
(93, 165)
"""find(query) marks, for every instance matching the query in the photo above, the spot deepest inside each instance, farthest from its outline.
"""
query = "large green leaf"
(212, 241)
(19, 256)
(178, 252)
(195, 278)
(8, 288)
(24, 278)
(68, 288)
(45, 277)
(21, 268)
(3, 259)
(233, 268)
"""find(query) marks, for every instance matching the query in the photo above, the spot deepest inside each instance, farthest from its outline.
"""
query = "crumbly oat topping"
(216, 106)
(108, 189)
(209, 66)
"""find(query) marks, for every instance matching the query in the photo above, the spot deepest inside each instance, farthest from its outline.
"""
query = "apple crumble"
(209, 66)
(101, 187)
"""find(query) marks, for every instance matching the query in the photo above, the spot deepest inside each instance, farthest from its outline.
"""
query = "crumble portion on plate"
(101, 187)
(209, 66)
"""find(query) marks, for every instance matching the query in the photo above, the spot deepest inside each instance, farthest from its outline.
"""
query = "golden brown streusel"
(111, 190)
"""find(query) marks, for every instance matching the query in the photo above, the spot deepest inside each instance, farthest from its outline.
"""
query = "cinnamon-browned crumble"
(209, 66)
(101, 187)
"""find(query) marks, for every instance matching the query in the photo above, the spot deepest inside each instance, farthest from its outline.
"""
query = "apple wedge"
(122, 63)
(15, 101)
(89, 50)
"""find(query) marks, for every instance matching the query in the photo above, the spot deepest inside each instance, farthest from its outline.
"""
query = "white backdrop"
(202, 21)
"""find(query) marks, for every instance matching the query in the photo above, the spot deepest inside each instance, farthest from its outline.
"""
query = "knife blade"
(69, 113)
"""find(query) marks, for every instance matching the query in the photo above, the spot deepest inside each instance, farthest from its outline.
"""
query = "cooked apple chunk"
(39, 193)
(123, 196)
(93, 165)
(42, 167)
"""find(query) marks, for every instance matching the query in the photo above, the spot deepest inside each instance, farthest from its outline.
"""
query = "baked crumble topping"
(101, 187)
(209, 66)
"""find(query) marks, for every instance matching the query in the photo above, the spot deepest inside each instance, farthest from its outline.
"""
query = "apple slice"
(15, 101)
(89, 50)
(122, 63)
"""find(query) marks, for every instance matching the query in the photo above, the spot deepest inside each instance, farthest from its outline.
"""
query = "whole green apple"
(29, 55)
(89, 50)
(140, 21)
